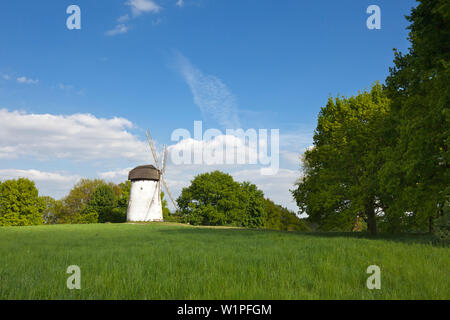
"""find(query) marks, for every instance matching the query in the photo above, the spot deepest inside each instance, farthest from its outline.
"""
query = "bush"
(114, 215)
(86, 217)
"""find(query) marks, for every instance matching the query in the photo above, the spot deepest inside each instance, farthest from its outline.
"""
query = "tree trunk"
(371, 221)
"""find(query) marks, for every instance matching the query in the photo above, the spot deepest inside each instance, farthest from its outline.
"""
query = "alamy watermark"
(374, 281)
(74, 281)
(74, 20)
(374, 20)
(236, 146)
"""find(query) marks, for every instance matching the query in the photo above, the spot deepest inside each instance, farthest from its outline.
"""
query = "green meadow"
(170, 261)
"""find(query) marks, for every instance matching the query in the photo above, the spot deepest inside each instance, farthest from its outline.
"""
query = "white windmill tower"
(145, 194)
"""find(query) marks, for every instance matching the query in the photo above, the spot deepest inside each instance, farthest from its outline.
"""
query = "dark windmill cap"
(147, 172)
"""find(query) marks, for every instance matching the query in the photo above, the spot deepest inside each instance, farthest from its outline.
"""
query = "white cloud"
(291, 157)
(75, 137)
(6, 77)
(123, 18)
(88, 139)
(221, 144)
(115, 175)
(180, 3)
(211, 95)
(138, 7)
(48, 183)
(37, 175)
(27, 80)
(119, 29)
(143, 6)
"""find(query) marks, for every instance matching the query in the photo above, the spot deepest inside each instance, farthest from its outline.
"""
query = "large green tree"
(20, 204)
(339, 183)
(416, 173)
(216, 199)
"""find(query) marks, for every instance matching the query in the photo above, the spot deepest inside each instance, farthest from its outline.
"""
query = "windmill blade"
(169, 194)
(164, 159)
(157, 193)
(152, 147)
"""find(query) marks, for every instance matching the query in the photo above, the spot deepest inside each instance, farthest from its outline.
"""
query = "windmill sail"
(169, 194)
(161, 168)
(152, 147)
(164, 159)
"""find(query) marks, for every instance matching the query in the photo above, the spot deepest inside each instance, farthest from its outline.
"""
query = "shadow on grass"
(413, 238)
(423, 238)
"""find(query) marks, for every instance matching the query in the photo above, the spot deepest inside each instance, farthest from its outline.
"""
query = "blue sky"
(73, 101)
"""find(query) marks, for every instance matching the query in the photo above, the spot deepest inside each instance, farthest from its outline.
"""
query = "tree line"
(211, 199)
(89, 201)
(381, 157)
(214, 198)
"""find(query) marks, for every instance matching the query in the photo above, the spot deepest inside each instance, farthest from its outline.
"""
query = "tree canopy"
(339, 183)
(382, 156)
(216, 199)
(417, 160)
(20, 204)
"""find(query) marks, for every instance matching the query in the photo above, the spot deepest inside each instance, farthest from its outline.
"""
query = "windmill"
(145, 192)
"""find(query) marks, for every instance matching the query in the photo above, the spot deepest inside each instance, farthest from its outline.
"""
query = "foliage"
(89, 201)
(50, 210)
(340, 182)
(216, 199)
(442, 226)
(102, 202)
(114, 215)
(389, 154)
(86, 216)
(165, 209)
(124, 194)
(20, 204)
(93, 201)
(280, 218)
(416, 172)
(75, 203)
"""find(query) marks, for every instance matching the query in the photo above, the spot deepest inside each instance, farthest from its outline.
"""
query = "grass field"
(164, 261)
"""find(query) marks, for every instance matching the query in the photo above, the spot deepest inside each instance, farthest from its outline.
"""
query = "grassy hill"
(169, 261)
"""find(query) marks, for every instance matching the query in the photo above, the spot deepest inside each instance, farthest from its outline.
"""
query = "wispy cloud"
(63, 86)
(180, 3)
(22, 79)
(211, 95)
(119, 29)
(27, 80)
(138, 7)
(143, 6)
(124, 18)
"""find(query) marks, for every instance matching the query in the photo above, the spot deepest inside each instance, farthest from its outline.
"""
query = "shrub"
(115, 215)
